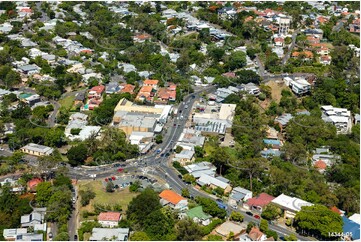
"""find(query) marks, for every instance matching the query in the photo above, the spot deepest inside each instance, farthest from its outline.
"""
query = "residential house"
(96, 92)
(354, 27)
(227, 227)
(258, 202)
(251, 88)
(141, 38)
(283, 120)
(304, 55)
(127, 88)
(198, 216)
(166, 94)
(37, 150)
(256, 235)
(29, 69)
(350, 229)
(29, 220)
(79, 98)
(29, 237)
(9, 128)
(323, 158)
(11, 234)
(299, 86)
(146, 93)
(112, 87)
(315, 32)
(311, 40)
(198, 169)
(325, 60)
(214, 182)
(5, 28)
(339, 117)
(109, 219)
(290, 205)
(15, 186)
(104, 234)
(33, 183)
(239, 195)
(184, 157)
(279, 41)
(323, 50)
(173, 200)
(356, 218)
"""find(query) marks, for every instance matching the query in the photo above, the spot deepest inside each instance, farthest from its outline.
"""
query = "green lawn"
(122, 197)
(67, 102)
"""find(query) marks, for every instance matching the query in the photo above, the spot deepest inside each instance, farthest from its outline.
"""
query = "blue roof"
(350, 226)
(271, 141)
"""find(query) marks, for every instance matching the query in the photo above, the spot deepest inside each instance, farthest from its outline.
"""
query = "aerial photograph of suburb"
(180, 120)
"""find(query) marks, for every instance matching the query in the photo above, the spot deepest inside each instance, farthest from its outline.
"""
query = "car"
(180, 177)
(75, 237)
(167, 154)
(186, 106)
(256, 216)
(162, 155)
(234, 206)
(174, 125)
(219, 200)
(120, 170)
(50, 235)
(249, 213)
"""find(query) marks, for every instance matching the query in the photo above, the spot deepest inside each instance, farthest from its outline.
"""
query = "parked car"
(256, 216)
(249, 213)
(75, 237)
(120, 169)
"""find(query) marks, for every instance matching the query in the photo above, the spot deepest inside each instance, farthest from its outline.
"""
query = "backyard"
(119, 197)
(67, 102)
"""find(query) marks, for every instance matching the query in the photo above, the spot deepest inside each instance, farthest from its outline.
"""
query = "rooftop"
(171, 196)
(260, 200)
(290, 203)
(109, 216)
(98, 234)
(197, 212)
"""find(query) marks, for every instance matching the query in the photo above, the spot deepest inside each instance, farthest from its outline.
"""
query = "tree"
(211, 207)
(199, 152)
(271, 233)
(139, 236)
(43, 193)
(159, 226)
(250, 225)
(135, 186)
(189, 178)
(263, 225)
(236, 216)
(109, 187)
(236, 60)
(63, 236)
(187, 230)
(271, 212)
(311, 220)
(185, 192)
(86, 196)
(253, 166)
(178, 149)
(138, 209)
(291, 237)
(77, 154)
(158, 139)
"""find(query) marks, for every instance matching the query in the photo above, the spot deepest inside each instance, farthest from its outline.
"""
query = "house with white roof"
(117, 234)
(290, 205)
(198, 169)
(339, 117)
(214, 182)
(239, 195)
(11, 234)
(299, 86)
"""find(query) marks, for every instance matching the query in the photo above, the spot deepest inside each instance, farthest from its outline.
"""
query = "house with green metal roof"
(198, 216)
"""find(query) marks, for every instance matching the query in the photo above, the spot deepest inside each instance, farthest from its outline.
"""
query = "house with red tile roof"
(322, 20)
(325, 60)
(312, 40)
(258, 202)
(146, 93)
(304, 55)
(127, 88)
(173, 200)
(96, 92)
(140, 38)
(33, 183)
(109, 219)
(338, 211)
(86, 51)
(279, 41)
(151, 83)
(256, 235)
(166, 94)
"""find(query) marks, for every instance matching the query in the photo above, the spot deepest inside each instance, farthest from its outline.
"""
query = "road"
(288, 55)
(162, 165)
(52, 116)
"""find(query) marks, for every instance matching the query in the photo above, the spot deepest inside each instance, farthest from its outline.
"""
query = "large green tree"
(318, 221)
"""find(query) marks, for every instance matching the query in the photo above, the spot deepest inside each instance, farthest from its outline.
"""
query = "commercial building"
(37, 150)
(135, 121)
